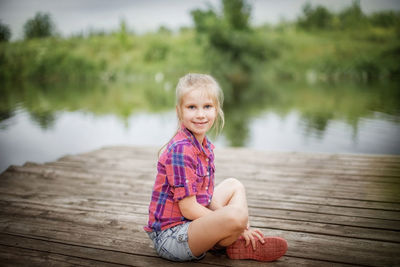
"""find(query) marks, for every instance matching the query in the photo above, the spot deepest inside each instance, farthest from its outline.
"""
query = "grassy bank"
(102, 58)
(365, 54)
(360, 54)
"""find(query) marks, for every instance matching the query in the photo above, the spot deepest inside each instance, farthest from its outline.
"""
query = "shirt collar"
(199, 148)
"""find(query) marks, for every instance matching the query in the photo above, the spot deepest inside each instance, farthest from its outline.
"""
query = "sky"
(74, 16)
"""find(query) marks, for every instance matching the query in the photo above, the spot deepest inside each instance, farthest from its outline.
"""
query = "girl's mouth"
(200, 123)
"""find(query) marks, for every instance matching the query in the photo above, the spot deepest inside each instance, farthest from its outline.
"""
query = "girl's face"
(198, 113)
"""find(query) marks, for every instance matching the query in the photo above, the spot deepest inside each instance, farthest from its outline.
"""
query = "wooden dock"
(89, 209)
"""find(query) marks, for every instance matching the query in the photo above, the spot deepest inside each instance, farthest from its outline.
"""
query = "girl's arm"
(191, 209)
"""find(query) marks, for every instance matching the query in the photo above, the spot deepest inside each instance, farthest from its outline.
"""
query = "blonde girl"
(187, 215)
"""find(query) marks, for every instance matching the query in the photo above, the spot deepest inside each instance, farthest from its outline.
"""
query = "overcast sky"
(74, 16)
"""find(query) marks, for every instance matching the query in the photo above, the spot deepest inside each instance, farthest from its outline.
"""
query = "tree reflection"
(317, 104)
(240, 110)
(45, 119)
(316, 122)
(237, 128)
(5, 115)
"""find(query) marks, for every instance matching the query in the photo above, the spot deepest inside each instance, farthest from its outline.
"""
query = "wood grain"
(90, 209)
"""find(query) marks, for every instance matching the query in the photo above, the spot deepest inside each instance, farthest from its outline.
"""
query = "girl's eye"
(191, 107)
(208, 106)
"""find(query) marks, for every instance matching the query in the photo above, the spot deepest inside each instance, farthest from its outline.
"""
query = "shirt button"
(206, 187)
(207, 159)
(208, 173)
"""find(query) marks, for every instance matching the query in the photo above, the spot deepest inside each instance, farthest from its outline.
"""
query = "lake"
(43, 123)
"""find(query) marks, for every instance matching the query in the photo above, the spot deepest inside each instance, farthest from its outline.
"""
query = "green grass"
(359, 55)
(363, 54)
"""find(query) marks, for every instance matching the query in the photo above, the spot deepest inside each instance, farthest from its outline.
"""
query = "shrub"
(315, 18)
(40, 26)
(5, 33)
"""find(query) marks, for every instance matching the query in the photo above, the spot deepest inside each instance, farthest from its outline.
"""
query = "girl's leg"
(225, 224)
(230, 191)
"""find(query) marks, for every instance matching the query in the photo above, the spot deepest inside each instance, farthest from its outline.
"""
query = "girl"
(187, 216)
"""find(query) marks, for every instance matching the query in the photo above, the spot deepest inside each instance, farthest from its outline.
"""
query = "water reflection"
(45, 119)
(78, 132)
(316, 123)
(41, 124)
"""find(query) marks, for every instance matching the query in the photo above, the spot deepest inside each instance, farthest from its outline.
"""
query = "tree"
(5, 33)
(235, 52)
(237, 14)
(40, 26)
(233, 47)
(385, 18)
(315, 18)
(352, 16)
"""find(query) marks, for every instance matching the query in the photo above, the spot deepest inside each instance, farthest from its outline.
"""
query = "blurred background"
(305, 76)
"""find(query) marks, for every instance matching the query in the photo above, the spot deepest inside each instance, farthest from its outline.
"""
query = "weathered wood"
(65, 209)
(388, 193)
(93, 256)
(89, 209)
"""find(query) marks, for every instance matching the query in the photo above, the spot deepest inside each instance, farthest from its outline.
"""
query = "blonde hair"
(207, 84)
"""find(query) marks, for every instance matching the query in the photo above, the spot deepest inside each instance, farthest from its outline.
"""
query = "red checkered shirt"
(185, 168)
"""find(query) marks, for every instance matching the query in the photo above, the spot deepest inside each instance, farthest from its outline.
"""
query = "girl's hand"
(251, 235)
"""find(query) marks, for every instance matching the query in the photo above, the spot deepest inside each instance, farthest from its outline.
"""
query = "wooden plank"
(45, 252)
(65, 209)
(329, 229)
(272, 161)
(262, 170)
(301, 211)
(93, 206)
(388, 195)
(328, 201)
(14, 256)
(368, 171)
(271, 204)
(143, 174)
(120, 152)
(139, 205)
(81, 255)
(116, 156)
(318, 247)
(102, 229)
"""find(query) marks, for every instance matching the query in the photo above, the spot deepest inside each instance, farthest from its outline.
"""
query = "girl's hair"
(208, 85)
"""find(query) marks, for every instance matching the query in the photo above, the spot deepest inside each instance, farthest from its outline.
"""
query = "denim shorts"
(172, 243)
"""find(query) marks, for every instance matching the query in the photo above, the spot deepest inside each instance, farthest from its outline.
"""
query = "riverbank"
(360, 54)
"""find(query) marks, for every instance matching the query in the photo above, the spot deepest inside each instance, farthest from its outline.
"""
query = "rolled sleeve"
(181, 172)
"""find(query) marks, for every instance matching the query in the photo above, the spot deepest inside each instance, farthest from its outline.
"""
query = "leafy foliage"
(385, 19)
(242, 57)
(40, 26)
(234, 48)
(318, 17)
(352, 17)
(5, 32)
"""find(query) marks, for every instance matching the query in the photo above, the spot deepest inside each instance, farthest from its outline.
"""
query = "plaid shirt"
(185, 168)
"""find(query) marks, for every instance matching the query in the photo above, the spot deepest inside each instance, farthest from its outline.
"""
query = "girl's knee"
(236, 218)
(234, 183)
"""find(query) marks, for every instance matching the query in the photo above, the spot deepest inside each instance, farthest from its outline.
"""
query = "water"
(376, 135)
(23, 138)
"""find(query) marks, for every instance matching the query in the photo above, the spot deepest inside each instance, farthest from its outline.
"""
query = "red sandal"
(272, 249)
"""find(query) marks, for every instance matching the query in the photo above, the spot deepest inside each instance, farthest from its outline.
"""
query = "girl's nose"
(200, 113)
